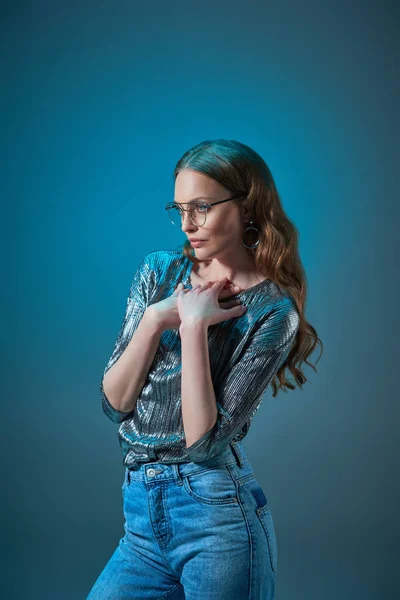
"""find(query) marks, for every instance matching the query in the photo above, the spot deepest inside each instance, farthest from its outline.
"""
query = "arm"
(124, 381)
(238, 395)
(199, 408)
(134, 350)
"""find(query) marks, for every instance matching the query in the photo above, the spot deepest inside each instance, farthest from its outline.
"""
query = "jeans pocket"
(265, 516)
(212, 486)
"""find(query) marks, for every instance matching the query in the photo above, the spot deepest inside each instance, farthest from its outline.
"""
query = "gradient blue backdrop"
(99, 102)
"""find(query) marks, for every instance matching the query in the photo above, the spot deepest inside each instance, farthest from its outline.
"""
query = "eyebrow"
(194, 199)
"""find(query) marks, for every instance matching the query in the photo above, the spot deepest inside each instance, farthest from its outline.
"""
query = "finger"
(231, 291)
(177, 288)
(220, 283)
(200, 287)
(217, 287)
(236, 311)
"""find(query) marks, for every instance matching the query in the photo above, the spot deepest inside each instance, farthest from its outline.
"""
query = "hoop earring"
(255, 229)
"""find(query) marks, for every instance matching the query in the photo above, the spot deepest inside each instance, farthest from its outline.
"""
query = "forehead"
(192, 186)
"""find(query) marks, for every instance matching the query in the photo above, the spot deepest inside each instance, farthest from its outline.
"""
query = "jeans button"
(151, 472)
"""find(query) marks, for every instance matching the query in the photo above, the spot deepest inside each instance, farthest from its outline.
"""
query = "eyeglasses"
(197, 211)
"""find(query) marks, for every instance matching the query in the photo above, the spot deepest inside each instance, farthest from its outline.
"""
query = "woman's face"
(225, 222)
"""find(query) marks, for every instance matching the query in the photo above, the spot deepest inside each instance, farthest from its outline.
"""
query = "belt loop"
(236, 454)
(177, 475)
(128, 477)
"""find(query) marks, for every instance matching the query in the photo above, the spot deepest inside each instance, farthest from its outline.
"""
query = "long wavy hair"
(242, 171)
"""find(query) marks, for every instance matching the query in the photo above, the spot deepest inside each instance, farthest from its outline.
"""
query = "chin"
(202, 250)
(201, 254)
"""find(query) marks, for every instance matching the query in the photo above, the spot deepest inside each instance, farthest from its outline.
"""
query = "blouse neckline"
(252, 289)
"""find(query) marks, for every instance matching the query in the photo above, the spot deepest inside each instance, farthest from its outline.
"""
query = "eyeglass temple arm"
(173, 204)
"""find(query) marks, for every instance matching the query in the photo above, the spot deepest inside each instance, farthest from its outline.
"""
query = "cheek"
(228, 228)
(222, 226)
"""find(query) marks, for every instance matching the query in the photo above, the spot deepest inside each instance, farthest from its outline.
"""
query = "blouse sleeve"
(136, 304)
(240, 392)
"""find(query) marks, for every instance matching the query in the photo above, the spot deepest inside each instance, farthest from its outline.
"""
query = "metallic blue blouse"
(245, 353)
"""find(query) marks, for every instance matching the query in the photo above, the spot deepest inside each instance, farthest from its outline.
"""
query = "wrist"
(153, 320)
(192, 325)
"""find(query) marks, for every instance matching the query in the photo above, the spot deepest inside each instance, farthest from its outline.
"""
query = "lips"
(196, 240)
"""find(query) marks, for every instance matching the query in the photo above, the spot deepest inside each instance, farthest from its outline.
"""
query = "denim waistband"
(234, 454)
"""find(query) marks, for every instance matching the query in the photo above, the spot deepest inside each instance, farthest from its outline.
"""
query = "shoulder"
(290, 317)
(280, 313)
(161, 261)
(160, 266)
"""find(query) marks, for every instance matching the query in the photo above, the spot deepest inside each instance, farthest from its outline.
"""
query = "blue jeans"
(193, 531)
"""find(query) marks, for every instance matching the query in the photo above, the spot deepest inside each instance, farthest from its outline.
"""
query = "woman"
(205, 332)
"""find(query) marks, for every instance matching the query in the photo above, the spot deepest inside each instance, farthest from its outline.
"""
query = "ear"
(245, 214)
(243, 210)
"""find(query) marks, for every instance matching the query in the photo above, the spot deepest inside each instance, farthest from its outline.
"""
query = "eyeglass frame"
(206, 204)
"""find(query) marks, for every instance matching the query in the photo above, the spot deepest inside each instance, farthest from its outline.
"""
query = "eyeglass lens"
(197, 214)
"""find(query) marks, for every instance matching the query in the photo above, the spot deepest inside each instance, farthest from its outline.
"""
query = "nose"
(187, 224)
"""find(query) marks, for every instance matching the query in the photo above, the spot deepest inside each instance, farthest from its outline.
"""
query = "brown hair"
(242, 171)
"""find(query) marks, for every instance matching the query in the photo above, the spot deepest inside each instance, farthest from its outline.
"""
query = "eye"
(202, 208)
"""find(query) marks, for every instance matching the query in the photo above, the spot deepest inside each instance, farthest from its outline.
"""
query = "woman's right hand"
(166, 311)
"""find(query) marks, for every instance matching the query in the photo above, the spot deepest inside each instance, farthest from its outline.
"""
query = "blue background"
(99, 101)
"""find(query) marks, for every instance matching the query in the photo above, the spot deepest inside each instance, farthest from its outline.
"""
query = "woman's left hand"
(200, 304)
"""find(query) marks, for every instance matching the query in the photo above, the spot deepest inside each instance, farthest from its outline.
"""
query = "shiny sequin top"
(245, 353)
